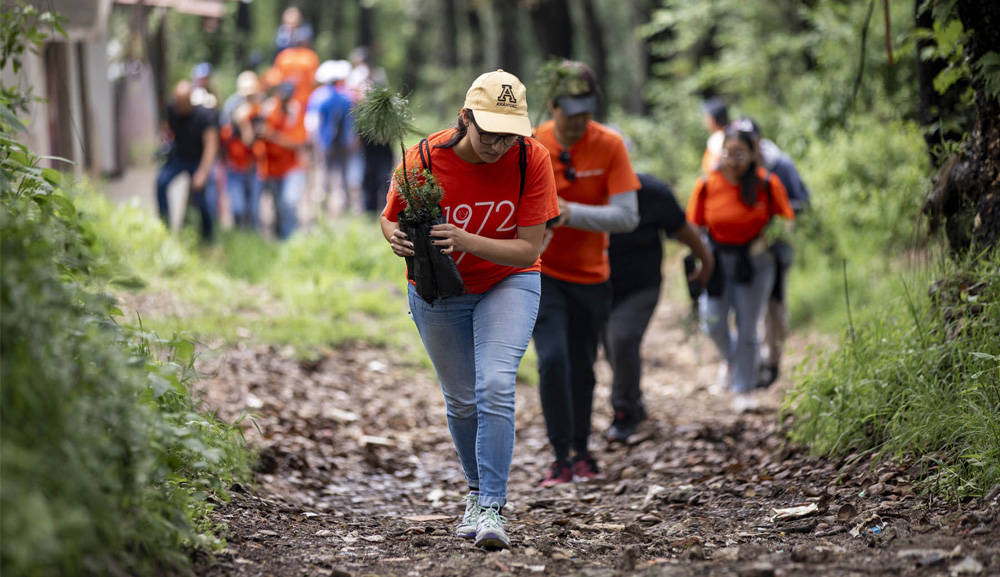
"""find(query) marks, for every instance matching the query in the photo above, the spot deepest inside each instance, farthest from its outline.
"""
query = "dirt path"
(359, 478)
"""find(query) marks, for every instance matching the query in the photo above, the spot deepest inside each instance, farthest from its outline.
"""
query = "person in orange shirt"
(237, 137)
(498, 194)
(281, 138)
(597, 195)
(734, 203)
(298, 65)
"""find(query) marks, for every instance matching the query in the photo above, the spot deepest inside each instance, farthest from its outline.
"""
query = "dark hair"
(716, 108)
(460, 129)
(749, 181)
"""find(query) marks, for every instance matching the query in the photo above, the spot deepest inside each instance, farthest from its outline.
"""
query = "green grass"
(918, 381)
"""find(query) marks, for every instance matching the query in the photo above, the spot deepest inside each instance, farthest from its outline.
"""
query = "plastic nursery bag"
(434, 275)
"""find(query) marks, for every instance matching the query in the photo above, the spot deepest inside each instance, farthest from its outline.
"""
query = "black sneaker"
(768, 374)
(622, 428)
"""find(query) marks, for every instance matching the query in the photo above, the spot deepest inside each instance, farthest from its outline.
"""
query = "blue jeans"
(747, 301)
(287, 191)
(571, 318)
(476, 342)
(204, 199)
(244, 196)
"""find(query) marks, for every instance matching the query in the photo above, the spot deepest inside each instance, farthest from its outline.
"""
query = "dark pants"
(378, 172)
(571, 317)
(630, 316)
(203, 199)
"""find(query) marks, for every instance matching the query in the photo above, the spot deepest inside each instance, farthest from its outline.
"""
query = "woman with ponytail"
(734, 203)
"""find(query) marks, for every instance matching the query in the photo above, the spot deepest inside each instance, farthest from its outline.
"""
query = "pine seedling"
(558, 77)
(384, 117)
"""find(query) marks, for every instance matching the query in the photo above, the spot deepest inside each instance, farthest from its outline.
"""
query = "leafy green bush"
(106, 465)
(920, 381)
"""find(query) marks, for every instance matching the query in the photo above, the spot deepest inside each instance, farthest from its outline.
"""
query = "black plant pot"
(434, 275)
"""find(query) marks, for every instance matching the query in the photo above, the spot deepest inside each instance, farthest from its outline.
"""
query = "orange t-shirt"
(483, 199)
(275, 160)
(298, 65)
(602, 170)
(717, 205)
(239, 156)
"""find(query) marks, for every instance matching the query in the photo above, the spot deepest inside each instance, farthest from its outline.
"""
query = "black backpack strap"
(425, 158)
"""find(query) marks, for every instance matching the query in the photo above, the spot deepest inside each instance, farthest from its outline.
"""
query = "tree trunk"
(654, 44)
(510, 48)
(967, 191)
(598, 53)
(449, 31)
(415, 48)
(553, 27)
(366, 28)
(477, 56)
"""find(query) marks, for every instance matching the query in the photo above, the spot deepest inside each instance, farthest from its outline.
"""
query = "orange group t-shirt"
(716, 203)
(276, 160)
(298, 65)
(483, 199)
(239, 156)
(603, 170)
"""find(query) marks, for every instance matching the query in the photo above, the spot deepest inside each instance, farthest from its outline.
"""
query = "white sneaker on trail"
(490, 534)
(744, 403)
(470, 520)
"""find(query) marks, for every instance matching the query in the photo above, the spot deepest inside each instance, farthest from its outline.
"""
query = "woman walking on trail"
(597, 195)
(498, 194)
(735, 202)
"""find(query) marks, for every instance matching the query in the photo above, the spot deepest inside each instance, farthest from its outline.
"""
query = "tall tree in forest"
(420, 16)
(967, 192)
(477, 55)
(510, 48)
(598, 52)
(552, 25)
(449, 35)
(366, 27)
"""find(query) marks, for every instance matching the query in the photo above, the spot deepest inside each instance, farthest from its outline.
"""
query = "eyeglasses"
(570, 172)
(737, 156)
(491, 138)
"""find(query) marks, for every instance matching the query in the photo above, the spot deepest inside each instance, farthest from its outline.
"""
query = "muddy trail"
(358, 477)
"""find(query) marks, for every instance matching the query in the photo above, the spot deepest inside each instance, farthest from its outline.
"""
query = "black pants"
(630, 316)
(378, 172)
(571, 317)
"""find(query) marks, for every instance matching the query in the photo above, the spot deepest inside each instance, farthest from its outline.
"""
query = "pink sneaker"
(560, 472)
(584, 466)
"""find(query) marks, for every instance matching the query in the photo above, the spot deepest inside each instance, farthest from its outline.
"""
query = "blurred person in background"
(237, 137)
(378, 160)
(775, 322)
(280, 150)
(298, 64)
(291, 28)
(202, 93)
(193, 134)
(337, 139)
(597, 195)
(636, 276)
(734, 203)
(715, 117)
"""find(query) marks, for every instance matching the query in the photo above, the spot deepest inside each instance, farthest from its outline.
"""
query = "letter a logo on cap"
(507, 95)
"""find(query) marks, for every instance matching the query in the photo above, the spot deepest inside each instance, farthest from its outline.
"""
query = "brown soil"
(358, 477)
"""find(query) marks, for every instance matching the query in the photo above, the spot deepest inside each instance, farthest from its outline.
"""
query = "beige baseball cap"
(499, 102)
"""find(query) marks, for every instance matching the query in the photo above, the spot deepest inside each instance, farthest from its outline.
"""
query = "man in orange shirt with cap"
(597, 195)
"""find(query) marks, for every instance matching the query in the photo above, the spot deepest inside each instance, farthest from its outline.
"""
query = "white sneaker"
(470, 520)
(490, 534)
(744, 403)
(723, 381)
